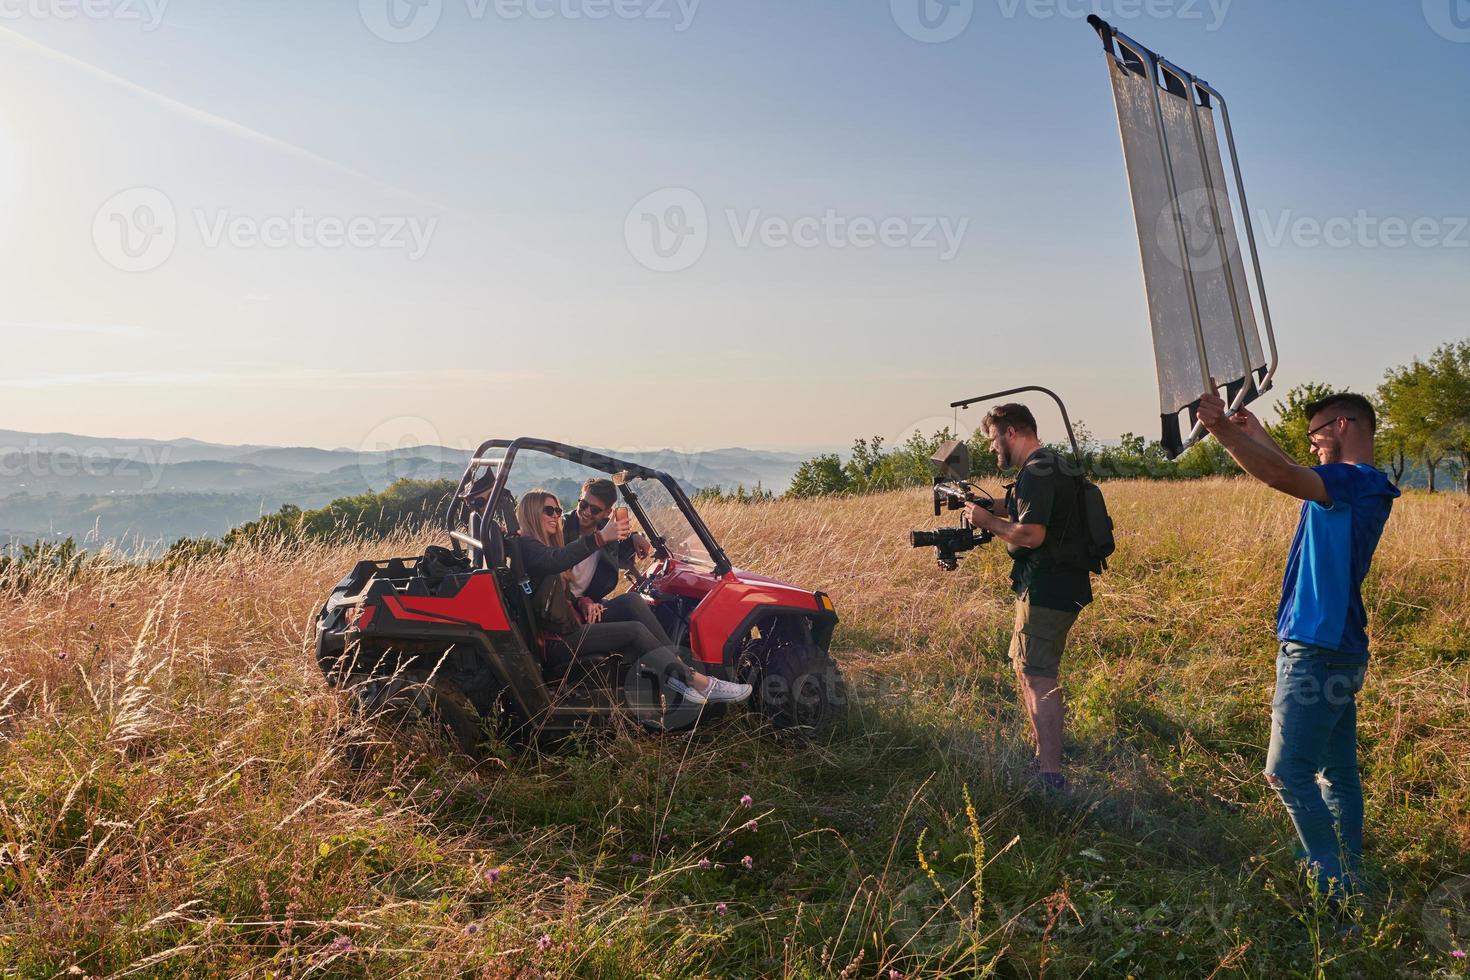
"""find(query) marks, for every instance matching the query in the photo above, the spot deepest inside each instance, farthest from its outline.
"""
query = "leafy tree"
(1449, 403)
(1290, 428)
(1419, 409)
(820, 476)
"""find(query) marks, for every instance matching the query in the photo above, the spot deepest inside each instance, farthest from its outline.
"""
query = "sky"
(678, 223)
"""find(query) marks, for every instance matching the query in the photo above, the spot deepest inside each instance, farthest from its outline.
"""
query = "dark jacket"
(551, 597)
(614, 556)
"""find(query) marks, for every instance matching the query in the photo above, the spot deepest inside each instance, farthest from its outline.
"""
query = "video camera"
(952, 491)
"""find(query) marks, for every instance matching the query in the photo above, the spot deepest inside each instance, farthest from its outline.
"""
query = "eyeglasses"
(590, 509)
(1340, 418)
(551, 510)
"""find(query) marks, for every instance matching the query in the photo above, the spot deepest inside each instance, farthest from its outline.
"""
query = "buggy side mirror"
(951, 461)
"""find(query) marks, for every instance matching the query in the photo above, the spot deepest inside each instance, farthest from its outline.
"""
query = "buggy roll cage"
(1154, 159)
(464, 507)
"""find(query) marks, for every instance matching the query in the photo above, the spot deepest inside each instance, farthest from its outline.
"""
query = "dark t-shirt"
(1055, 575)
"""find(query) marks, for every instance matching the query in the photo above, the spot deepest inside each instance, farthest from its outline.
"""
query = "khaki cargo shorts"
(1039, 638)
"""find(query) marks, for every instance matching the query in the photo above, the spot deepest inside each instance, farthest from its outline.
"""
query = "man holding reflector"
(1320, 623)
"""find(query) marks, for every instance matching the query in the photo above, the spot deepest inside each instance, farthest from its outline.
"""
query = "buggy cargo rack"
(1200, 309)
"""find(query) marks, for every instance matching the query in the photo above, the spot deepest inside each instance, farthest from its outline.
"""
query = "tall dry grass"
(176, 796)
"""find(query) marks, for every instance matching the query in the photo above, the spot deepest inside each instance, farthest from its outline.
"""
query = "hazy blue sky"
(490, 171)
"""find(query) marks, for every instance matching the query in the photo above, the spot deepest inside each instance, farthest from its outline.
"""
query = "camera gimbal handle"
(1066, 420)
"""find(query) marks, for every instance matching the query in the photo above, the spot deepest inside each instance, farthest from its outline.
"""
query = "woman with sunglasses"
(549, 564)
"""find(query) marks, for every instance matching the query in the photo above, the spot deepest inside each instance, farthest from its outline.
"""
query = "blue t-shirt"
(1321, 597)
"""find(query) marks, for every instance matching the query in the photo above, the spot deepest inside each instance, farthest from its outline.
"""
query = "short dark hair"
(603, 489)
(1011, 415)
(1348, 400)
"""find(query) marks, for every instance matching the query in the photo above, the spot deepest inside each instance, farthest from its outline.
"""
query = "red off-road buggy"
(451, 635)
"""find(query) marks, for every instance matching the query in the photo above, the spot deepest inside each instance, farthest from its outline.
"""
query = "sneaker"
(686, 691)
(726, 691)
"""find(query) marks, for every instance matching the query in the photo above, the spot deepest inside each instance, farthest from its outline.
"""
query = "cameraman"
(1042, 532)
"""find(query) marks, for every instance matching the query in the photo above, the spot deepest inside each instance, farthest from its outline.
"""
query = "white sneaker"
(686, 691)
(726, 691)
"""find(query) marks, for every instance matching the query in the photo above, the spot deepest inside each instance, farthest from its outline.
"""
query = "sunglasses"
(591, 509)
(1340, 418)
(551, 510)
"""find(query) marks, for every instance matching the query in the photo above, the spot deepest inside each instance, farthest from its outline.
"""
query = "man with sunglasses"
(595, 577)
(1321, 624)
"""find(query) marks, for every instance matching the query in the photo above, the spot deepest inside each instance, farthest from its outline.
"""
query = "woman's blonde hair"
(530, 518)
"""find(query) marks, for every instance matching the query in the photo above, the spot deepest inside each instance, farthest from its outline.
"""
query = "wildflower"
(1458, 954)
(704, 864)
(473, 929)
(635, 858)
(894, 974)
(722, 908)
(493, 875)
(746, 801)
(748, 862)
(750, 825)
(342, 944)
(1138, 928)
(544, 943)
(567, 880)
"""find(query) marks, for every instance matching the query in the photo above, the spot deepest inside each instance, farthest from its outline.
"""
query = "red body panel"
(478, 603)
(726, 604)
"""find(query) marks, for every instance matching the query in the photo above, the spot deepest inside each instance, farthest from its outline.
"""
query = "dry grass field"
(176, 797)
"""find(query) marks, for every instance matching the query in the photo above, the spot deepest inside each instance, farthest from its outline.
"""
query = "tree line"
(1423, 426)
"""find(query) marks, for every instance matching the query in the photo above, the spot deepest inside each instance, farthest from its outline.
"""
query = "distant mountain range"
(142, 493)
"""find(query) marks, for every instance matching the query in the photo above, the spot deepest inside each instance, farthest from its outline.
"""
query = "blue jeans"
(1313, 759)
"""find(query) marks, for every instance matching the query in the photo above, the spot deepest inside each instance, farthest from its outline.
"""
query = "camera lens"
(923, 539)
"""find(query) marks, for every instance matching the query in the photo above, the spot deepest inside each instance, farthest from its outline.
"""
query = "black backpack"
(1097, 525)
(1091, 531)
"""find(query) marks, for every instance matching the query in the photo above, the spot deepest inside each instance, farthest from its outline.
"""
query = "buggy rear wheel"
(414, 698)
